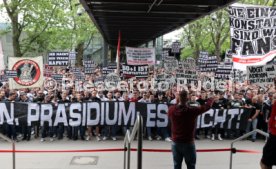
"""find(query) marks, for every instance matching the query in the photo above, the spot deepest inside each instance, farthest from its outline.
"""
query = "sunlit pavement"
(114, 160)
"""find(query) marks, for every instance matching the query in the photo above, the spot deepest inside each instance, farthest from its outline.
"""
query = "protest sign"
(106, 71)
(261, 75)
(76, 70)
(112, 114)
(252, 30)
(80, 77)
(168, 78)
(208, 64)
(139, 71)
(29, 72)
(89, 66)
(57, 77)
(58, 59)
(187, 64)
(165, 53)
(111, 81)
(3, 78)
(190, 75)
(140, 56)
(48, 70)
(176, 47)
(223, 71)
(11, 73)
(112, 66)
(72, 55)
(170, 65)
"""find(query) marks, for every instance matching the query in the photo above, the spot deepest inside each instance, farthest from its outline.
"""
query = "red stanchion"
(121, 150)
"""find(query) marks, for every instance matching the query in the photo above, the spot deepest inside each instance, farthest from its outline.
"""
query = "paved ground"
(114, 160)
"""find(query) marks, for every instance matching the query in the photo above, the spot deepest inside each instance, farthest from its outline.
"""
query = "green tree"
(41, 26)
(211, 33)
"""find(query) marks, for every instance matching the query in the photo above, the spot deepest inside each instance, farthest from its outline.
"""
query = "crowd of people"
(242, 95)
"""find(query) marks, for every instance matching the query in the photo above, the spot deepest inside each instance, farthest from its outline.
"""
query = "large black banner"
(111, 113)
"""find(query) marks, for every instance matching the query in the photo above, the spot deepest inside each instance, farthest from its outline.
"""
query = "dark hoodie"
(183, 121)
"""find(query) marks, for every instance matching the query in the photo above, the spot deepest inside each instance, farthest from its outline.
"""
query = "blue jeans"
(252, 123)
(186, 151)
(163, 132)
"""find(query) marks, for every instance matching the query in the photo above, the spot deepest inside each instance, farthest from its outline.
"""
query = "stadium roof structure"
(141, 21)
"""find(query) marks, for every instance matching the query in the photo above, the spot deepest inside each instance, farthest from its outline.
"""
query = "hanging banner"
(139, 71)
(253, 35)
(140, 56)
(112, 114)
(261, 75)
(29, 72)
(58, 59)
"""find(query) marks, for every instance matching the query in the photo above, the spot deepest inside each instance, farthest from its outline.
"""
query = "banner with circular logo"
(29, 72)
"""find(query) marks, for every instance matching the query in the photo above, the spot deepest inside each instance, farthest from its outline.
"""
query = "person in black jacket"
(221, 104)
(194, 103)
(202, 101)
(76, 130)
(253, 119)
(26, 130)
(10, 127)
(60, 126)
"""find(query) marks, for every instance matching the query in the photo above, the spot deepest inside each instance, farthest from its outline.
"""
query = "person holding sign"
(269, 151)
(183, 123)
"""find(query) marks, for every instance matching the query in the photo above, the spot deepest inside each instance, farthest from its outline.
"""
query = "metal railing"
(129, 137)
(13, 148)
(233, 150)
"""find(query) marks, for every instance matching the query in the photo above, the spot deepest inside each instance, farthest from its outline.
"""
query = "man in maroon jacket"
(269, 150)
(183, 124)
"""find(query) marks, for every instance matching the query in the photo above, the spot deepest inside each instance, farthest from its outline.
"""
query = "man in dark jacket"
(183, 123)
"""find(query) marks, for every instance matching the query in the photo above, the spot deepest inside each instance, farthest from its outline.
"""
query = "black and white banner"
(57, 77)
(253, 34)
(190, 75)
(176, 47)
(11, 73)
(106, 71)
(58, 58)
(112, 113)
(261, 75)
(89, 66)
(187, 64)
(139, 71)
(208, 64)
(140, 56)
(223, 71)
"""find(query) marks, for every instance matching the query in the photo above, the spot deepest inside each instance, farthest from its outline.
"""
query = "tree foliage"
(211, 33)
(41, 26)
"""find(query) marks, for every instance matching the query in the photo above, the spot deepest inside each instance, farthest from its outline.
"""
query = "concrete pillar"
(105, 53)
